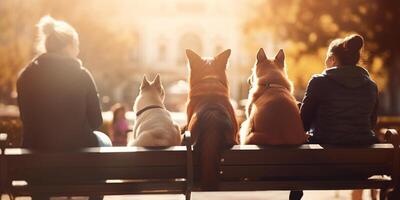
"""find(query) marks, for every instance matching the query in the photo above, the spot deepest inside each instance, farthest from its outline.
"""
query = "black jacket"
(58, 102)
(340, 107)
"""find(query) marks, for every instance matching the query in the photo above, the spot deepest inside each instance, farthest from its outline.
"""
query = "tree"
(104, 44)
(315, 23)
(15, 45)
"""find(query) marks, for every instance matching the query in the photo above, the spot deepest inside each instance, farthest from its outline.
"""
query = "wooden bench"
(311, 167)
(128, 170)
(242, 168)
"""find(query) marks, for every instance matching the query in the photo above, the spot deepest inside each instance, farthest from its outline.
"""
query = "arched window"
(189, 41)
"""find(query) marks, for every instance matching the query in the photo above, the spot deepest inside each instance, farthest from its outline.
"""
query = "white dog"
(153, 125)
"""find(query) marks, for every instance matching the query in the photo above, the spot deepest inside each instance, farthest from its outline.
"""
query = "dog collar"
(273, 85)
(147, 108)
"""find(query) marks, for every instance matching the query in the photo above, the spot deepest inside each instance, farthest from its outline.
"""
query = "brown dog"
(211, 118)
(273, 116)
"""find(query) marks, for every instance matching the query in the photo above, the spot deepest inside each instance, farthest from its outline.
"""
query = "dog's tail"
(213, 128)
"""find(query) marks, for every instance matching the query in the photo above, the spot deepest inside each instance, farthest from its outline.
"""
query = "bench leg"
(187, 195)
(374, 194)
(295, 194)
(382, 194)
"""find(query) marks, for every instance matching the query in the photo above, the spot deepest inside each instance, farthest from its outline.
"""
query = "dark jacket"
(340, 106)
(58, 102)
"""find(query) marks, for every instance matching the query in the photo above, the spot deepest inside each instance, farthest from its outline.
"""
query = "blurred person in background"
(120, 125)
(57, 96)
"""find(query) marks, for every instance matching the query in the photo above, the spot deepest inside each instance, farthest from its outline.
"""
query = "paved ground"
(276, 195)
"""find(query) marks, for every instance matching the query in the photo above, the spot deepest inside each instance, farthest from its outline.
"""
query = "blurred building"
(164, 29)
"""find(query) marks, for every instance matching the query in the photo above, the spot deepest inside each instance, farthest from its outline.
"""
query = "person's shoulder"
(372, 84)
(318, 82)
(27, 69)
(87, 77)
(368, 78)
(317, 78)
(85, 72)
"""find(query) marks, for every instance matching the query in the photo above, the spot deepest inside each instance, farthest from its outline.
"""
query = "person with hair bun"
(340, 104)
(57, 96)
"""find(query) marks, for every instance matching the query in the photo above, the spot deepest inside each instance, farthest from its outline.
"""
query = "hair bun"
(47, 25)
(354, 42)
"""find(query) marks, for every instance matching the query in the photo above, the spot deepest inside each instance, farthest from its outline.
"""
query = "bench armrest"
(189, 162)
(3, 141)
(187, 137)
(392, 137)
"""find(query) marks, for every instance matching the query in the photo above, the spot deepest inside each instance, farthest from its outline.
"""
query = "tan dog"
(154, 125)
(273, 116)
(211, 118)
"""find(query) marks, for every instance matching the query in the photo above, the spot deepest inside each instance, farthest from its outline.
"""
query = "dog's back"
(214, 128)
(211, 118)
(273, 114)
(277, 120)
(153, 125)
(156, 128)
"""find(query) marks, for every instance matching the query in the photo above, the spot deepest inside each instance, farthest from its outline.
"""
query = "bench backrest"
(308, 161)
(98, 164)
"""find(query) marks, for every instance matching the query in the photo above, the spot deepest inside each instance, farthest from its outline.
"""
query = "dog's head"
(152, 89)
(207, 68)
(269, 70)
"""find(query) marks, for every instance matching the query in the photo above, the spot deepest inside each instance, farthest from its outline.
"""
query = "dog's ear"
(192, 57)
(261, 55)
(145, 83)
(157, 81)
(280, 58)
(223, 57)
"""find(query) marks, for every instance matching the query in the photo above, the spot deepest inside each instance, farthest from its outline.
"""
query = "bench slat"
(100, 150)
(307, 154)
(252, 147)
(108, 159)
(150, 172)
(309, 171)
(304, 185)
(176, 187)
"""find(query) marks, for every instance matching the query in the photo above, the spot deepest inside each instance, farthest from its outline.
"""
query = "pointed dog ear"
(157, 81)
(261, 55)
(280, 58)
(222, 58)
(192, 57)
(145, 83)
